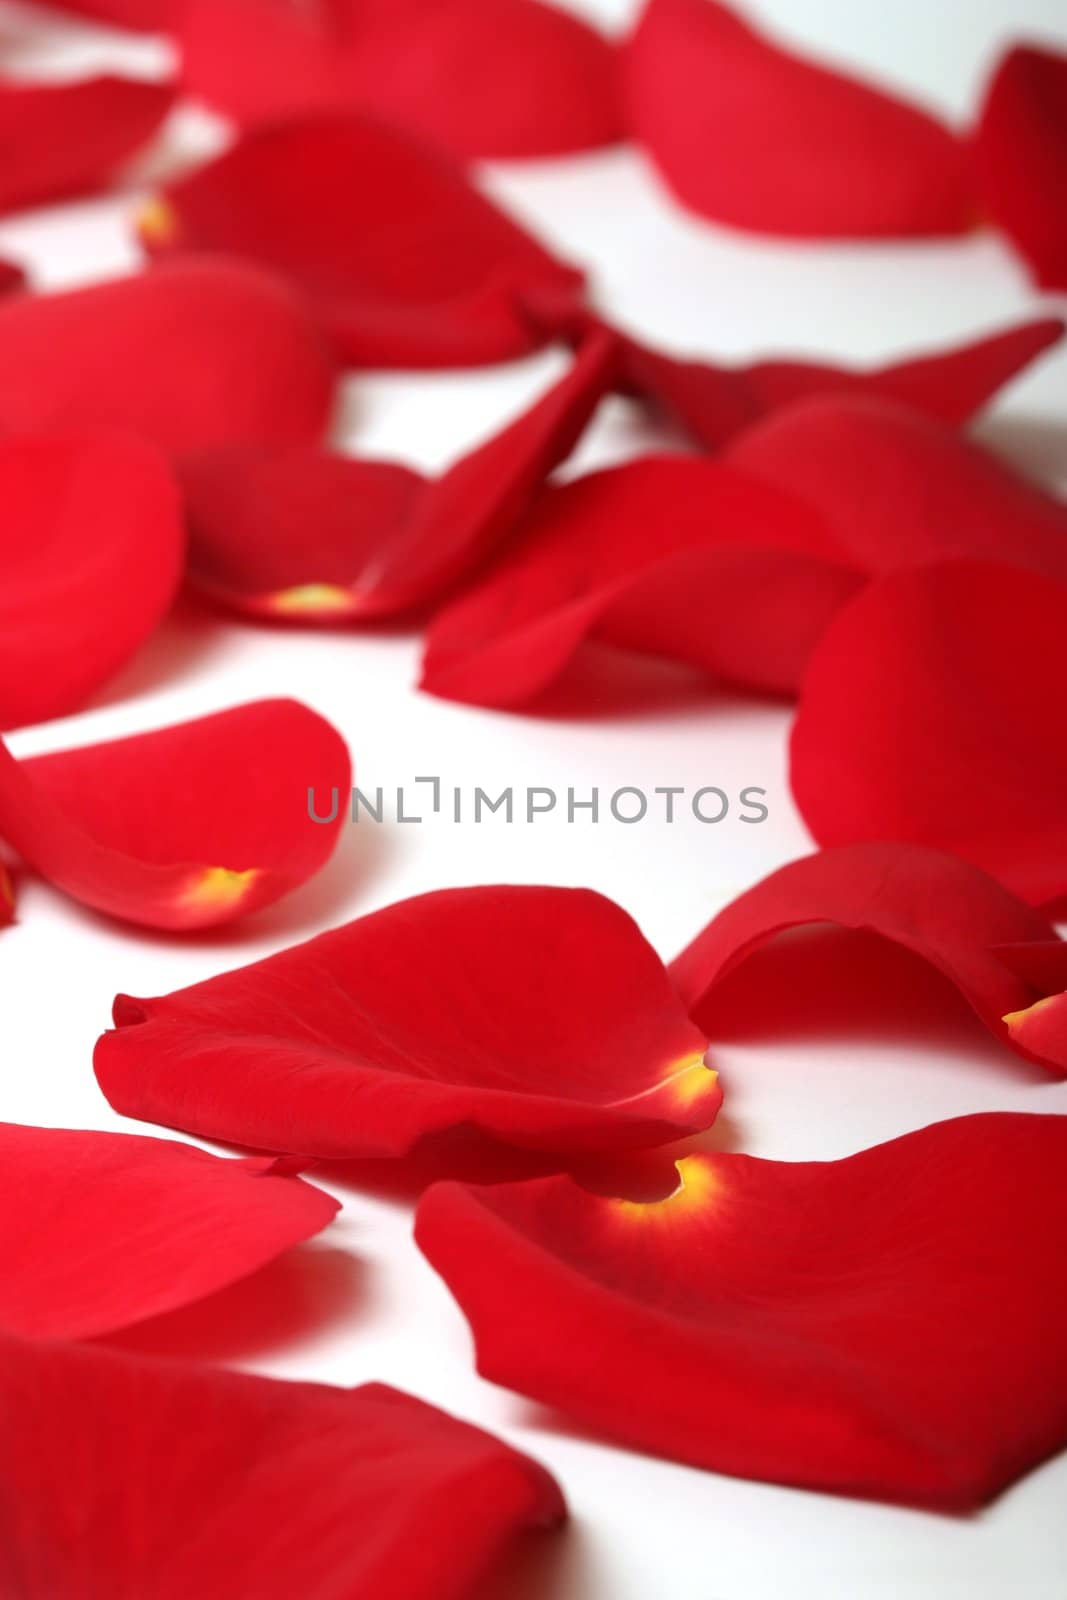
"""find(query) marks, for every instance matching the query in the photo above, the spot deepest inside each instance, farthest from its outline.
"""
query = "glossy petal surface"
(184, 827)
(102, 1230)
(279, 1489)
(749, 134)
(887, 1325)
(929, 713)
(92, 549)
(538, 1017)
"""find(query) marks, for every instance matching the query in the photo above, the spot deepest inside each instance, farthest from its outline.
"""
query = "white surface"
(361, 1303)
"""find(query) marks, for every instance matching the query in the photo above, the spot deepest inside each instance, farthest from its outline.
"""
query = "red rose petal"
(931, 712)
(671, 555)
(101, 1230)
(7, 897)
(123, 1477)
(143, 16)
(889, 1325)
(1021, 157)
(715, 403)
(933, 904)
(750, 135)
(61, 139)
(196, 354)
(185, 827)
(306, 536)
(12, 277)
(488, 77)
(92, 548)
(414, 268)
(538, 1017)
(1040, 1029)
(898, 489)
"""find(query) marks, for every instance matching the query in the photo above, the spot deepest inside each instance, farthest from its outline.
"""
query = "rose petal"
(414, 268)
(305, 536)
(12, 277)
(888, 1325)
(92, 548)
(185, 827)
(101, 1230)
(929, 713)
(898, 489)
(61, 139)
(633, 555)
(715, 403)
(488, 77)
(1040, 1030)
(123, 1477)
(538, 1017)
(933, 904)
(196, 354)
(144, 16)
(748, 134)
(1021, 157)
(7, 897)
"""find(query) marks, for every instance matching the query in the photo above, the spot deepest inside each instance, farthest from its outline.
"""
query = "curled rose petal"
(889, 1325)
(898, 489)
(631, 555)
(61, 139)
(1020, 148)
(488, 78)
(102, 1230)
(715, 403)
(414, 268)
(123, 1477)
(195, 354)
(538, 1017)
(935, 905)
(92, 548)
(751, 135)
(1040, 1029)
(184, 827)
(929, 713)
(306, 536)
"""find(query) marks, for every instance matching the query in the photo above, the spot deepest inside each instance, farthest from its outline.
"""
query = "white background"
(361, 1303)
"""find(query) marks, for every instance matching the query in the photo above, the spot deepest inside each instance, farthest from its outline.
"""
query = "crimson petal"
(307, 536)
(898, 489)
(91, 550)
(61, 139)
(12, 277)
(185, 827)
(633, 555)
(538, 1017)
(414, 268)
(715, 403)
(940, 908)
(929, 713)
(888, 1325)
(143, 16)
(492, 78)
(750, 135)
(102, 1230)
(1021, 157)
(195, 354)
(123, 1477)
